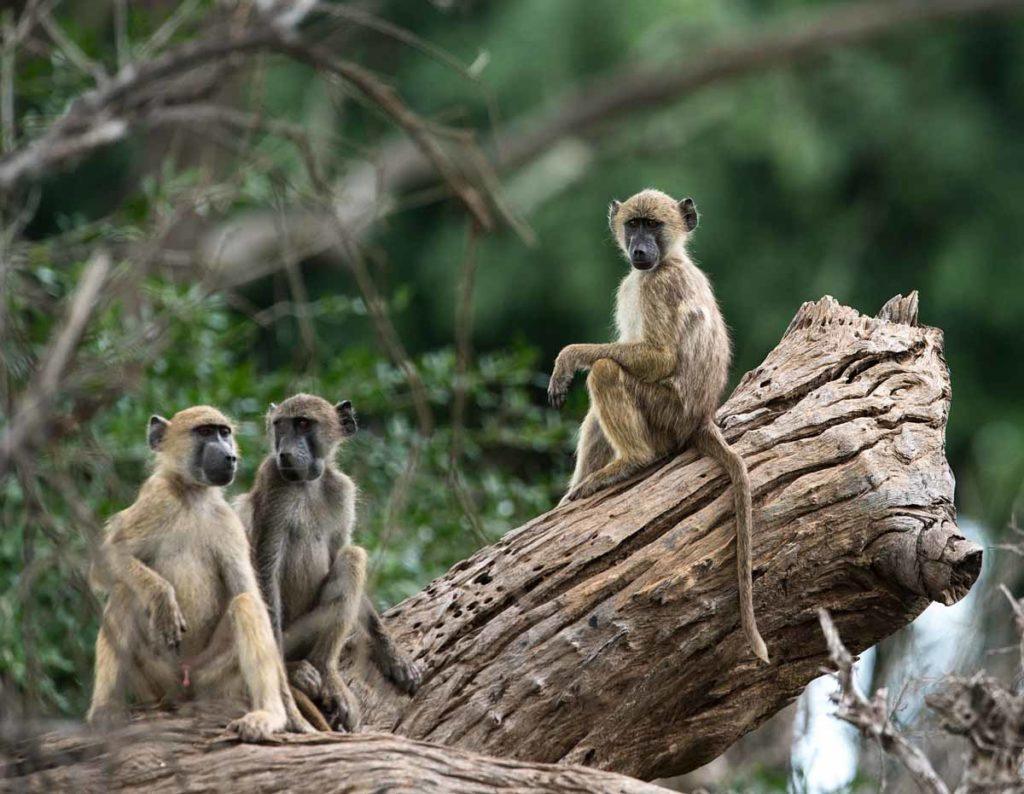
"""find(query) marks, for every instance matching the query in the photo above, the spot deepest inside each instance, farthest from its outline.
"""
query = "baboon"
(656, 389)
(299, 514)
(184, 619)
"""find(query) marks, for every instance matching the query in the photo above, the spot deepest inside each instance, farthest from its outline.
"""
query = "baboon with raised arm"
(656, 389)
(300, 514)
(184, 619)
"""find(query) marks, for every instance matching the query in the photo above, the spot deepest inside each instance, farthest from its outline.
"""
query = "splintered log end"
(822, 312)
(900, 309)
(934, 561)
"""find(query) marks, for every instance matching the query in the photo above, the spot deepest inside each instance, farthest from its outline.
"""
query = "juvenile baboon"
(300, 513)
(184, 620)
(656, 389)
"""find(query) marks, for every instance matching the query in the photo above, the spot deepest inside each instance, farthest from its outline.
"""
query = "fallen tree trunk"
(606, 633)
(170, 754)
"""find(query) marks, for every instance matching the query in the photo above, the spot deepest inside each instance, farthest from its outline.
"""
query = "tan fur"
(312, 576)
(656, 389)
(184, 600)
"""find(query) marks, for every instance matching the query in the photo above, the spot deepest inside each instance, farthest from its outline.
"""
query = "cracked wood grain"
(606, 633)
(172, 753)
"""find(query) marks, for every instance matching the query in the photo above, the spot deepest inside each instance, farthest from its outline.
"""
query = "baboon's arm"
(117, 563)
(269, 551)
(645, 361)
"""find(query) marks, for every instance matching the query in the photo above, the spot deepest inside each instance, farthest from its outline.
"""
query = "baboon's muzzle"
(218, 463)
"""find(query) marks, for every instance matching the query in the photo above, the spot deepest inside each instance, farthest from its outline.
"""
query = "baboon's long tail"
(710, 441)
(309, 710)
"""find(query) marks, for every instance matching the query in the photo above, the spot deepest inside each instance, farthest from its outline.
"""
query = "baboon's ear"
(613, 210)
(157, 431)
(271, 408)
(347, 417)
(689, 212)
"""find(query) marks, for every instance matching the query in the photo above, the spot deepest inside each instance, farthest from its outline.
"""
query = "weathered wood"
(173, 754)
(606, 632)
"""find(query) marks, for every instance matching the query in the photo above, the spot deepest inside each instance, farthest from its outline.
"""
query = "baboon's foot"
(404, 672)
(305, 677)
(615, 472)
(107, 715)
(257, 726)
(339, 705)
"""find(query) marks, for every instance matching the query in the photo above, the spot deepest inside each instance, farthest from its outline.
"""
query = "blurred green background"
(875, 169)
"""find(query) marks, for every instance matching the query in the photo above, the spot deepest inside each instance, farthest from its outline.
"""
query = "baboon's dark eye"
(302, 424)
(224, 431)
(206, 430)
(632, 223)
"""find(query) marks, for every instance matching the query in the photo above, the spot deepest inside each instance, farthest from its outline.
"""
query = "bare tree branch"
(71, 51)
(38, 398)
(871, 717)
(400, 168)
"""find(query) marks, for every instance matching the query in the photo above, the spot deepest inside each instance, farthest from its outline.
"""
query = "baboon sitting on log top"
(184, 619)
(300, 515)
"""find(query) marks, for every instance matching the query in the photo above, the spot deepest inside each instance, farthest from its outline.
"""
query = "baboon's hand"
(558, 386)
(166, 622)
(565, 367)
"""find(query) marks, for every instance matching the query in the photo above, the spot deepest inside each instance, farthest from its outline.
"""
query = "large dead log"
(163, 753)
(606, 633)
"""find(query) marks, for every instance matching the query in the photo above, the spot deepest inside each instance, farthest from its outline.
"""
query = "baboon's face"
(305, 432)
(650, 226)
(198, 443)
(214, 456)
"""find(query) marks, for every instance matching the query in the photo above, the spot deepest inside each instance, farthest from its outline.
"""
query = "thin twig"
(121, 44)
(170, 26)
(75, 55)
(463, 354)
(300, 298)
(7, 67)
(42, 391)
(1018, 619)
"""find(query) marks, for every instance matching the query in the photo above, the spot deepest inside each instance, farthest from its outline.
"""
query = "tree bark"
(606, 633)
(187, 753)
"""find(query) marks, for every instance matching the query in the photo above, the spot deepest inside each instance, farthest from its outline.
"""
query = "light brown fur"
(656, 389)
(184, 603)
